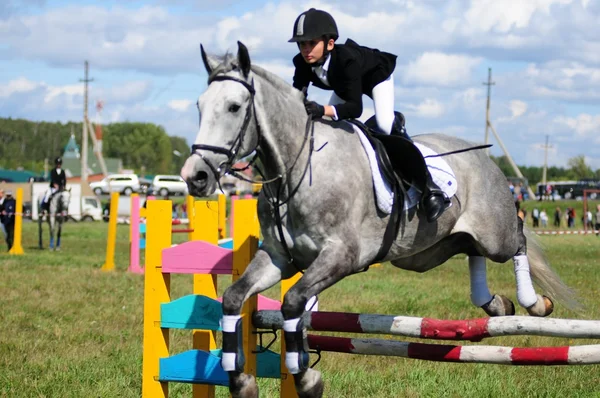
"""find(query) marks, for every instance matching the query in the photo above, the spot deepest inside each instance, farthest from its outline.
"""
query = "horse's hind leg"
(40, 231)
(496, 305)
(535, 304)
(260, 275)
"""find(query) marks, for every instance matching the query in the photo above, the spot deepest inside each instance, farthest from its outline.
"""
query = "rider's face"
(312, 50)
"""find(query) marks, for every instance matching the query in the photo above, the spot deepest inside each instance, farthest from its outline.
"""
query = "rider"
(351, 70)
(58, 181)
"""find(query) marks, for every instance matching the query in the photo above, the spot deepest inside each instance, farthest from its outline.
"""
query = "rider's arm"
(350, 91)
(301, 74)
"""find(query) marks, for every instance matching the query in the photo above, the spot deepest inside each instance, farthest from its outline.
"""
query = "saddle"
(401, 164)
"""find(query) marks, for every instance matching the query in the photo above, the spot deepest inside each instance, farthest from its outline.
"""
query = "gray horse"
(57, 214)
(319, 197)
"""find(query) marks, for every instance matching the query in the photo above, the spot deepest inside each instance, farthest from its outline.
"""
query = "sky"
(146, 66)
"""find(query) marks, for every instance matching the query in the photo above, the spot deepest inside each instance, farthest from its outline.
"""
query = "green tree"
(141, 146)
(578, 169)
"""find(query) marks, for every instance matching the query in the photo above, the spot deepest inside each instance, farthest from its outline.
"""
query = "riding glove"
(315, 110)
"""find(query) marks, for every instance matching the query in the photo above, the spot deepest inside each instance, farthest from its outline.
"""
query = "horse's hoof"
(542, 307)
(309, 384)
(242, 385)
(499, 306)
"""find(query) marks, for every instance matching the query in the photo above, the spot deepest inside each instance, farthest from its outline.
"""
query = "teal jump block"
(191, 312)
(201, 367)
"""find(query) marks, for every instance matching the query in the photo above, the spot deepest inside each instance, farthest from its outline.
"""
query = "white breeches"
(383, 102)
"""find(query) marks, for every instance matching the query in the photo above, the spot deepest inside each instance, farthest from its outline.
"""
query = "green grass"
(68, 329)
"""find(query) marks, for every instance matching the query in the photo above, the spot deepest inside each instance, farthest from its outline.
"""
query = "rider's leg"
(383, 101)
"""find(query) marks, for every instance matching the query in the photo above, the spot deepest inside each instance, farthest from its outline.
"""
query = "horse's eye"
(233, 108)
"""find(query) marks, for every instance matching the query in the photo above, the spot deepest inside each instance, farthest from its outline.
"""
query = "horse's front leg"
(58, 232)
(40, 231)
(336, 261)
(260, 275)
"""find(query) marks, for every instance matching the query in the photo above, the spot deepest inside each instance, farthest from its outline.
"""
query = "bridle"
(237, 143)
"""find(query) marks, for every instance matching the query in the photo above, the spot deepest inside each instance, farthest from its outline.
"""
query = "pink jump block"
(198, 257)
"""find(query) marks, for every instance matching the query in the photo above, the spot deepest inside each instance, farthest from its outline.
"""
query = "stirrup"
(434, 204)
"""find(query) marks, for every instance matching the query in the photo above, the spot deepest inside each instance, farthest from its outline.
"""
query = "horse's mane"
(229, 63)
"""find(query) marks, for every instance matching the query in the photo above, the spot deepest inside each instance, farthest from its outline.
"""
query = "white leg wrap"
(228, 322)
(291, 362)
(480, 294)
(291, 358)
(525, 292)
(228, 359)
(290, 325)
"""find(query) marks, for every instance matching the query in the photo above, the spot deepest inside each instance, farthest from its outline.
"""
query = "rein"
(273, 199)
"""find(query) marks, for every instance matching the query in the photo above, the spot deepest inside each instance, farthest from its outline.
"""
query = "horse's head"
(228, 127)
(63, 198)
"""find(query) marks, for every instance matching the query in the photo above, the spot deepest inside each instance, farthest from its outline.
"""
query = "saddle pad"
(440, 170)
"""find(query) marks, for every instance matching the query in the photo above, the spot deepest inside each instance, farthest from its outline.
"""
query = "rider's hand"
(315, 110)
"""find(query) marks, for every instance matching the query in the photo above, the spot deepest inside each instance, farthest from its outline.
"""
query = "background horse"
(57, 214)
(318, 213)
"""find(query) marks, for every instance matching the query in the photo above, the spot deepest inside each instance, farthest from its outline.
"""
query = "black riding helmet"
(314, 24)
(58, 161)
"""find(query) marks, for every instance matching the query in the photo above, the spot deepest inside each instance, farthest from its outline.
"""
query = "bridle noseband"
(237, 143)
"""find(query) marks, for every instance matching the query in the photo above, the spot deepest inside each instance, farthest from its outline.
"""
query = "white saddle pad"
(440, 170)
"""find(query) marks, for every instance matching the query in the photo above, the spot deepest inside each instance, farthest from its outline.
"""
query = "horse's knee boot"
(233, 359)
(296, 356)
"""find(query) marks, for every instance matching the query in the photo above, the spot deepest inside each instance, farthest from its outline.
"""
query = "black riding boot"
(434, 201)
(399, 128)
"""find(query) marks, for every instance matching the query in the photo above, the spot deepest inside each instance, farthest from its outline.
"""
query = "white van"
(81, 208)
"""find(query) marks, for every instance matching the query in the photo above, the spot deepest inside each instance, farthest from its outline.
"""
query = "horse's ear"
(209, 63)
(243, 58)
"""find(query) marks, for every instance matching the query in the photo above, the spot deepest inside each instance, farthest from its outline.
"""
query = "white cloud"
(20, 85)
(429, 108)
(439, 69)
(585, 125)
(517, 109)
(181, 105)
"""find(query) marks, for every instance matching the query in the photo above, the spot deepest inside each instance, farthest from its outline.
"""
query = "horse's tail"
(545, 276)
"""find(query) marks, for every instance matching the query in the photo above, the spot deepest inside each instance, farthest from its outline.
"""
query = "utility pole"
(546, 147)
(84, 140)
(489, 85)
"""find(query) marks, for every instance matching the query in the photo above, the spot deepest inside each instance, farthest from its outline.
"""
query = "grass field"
(69, 330)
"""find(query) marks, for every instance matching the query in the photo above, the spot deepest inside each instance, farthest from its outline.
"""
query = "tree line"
(143, 147)
(148, 149)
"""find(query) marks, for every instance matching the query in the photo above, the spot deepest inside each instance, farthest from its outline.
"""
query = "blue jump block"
(191, 312)
(228, 243)
(201, 367)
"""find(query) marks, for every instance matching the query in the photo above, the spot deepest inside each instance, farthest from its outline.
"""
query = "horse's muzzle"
(198, 176)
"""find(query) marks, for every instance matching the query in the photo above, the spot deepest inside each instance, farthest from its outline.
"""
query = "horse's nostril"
(201, 176)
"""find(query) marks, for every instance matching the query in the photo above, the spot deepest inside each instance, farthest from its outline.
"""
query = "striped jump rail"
(429, 328)
(529, 356)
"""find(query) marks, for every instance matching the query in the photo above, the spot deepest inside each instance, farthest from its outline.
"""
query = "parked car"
(165, 185)
(123, 183)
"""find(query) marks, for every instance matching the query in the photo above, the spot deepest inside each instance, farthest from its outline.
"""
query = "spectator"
(544, 218)
(7, 217)
(1, 224)
(557, 214)
(535, 214)
(589, 219)
(598, 221)
(184, 210)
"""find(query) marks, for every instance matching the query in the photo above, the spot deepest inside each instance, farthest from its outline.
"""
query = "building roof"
(18, 175)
